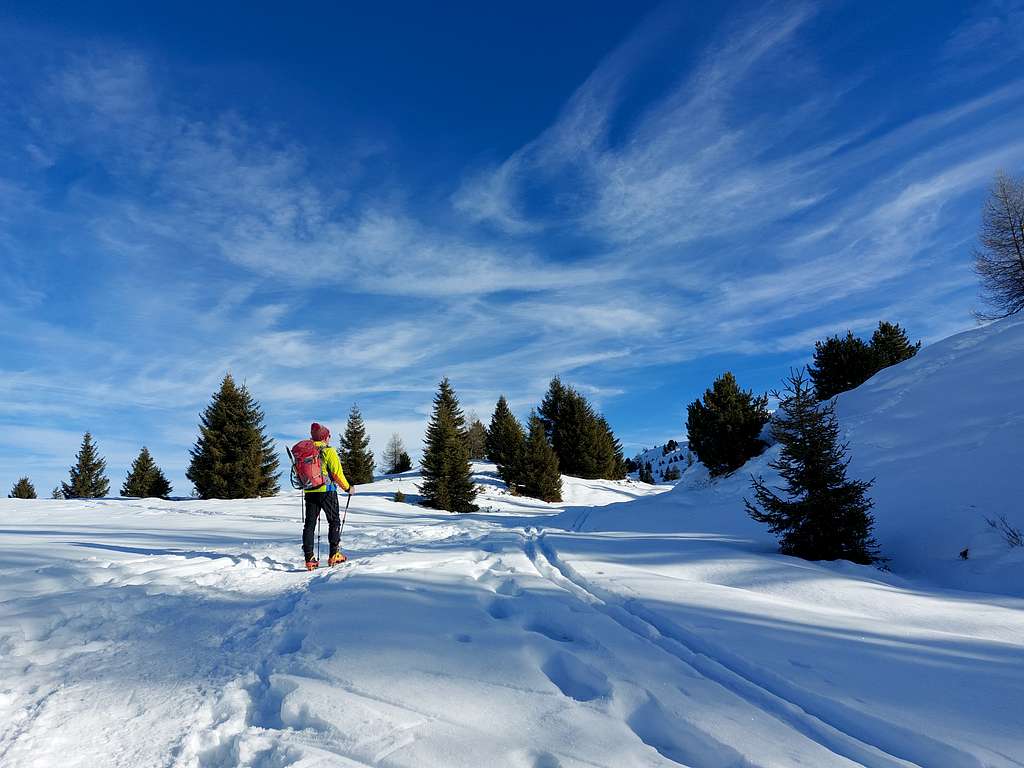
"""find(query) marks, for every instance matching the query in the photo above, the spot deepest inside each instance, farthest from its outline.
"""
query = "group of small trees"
(565, 435)
(581, 437)
(87, 478)
(818, 513)
(526, 460)
(844, 363)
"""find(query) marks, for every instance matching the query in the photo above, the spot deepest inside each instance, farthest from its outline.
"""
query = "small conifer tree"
(88, 479)
(23, 489)
(404, 463)
(354, 450)
(822, 515)
(476, 439)
(540, 476)
(724, 428)
(447, 476)
(233, 457)
(646, 474)
(506, 443)
(891, 345)
(145, 479)
(57, 492)
(671, 474)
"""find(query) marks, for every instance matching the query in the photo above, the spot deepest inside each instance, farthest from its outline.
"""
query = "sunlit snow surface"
(630, 626)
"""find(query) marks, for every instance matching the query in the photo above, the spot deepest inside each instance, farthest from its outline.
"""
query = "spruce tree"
(233, 457)
(354, 450)
(646, 474)
(891, 345)
(88, 478)
(23, 489)
(822, 515)
(540, 476)
(506, 443)
(392, 458)
(57, 492)
(476, 440)
(581, 438)
(447, 476)
(723, 429)
(145, 479)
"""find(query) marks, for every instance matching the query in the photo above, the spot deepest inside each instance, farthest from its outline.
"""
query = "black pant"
(315, 502)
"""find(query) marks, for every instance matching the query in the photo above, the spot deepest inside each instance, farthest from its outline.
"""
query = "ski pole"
(347, 502)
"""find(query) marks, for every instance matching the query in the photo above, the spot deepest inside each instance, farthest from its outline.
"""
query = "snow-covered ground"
(632, 625)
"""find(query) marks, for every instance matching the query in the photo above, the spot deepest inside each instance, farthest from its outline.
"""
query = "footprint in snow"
(576, 679)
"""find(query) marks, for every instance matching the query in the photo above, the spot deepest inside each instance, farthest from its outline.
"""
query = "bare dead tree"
(999, 261)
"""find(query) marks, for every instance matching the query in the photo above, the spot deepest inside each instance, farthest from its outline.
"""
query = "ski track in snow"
(184, 635)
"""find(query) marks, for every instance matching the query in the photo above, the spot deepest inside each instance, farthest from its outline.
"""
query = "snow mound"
(942, 435)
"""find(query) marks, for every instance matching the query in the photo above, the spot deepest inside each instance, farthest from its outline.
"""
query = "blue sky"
(344, 205)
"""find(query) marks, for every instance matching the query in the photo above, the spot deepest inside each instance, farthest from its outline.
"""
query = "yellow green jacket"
(332, 467)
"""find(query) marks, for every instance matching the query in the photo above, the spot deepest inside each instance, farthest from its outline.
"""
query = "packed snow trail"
(186, 634)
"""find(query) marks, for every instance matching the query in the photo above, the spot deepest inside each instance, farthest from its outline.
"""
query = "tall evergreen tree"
(447, 477)
(233, 457)
(891, 345)
(841, 364)
(581, 438)
(476, 440)
(354, 450)
(506, 443)
(395, 458)
(824, 516)
(88, 479)
(540, 476)
(23, 489)
(724, 428)
(145, 479)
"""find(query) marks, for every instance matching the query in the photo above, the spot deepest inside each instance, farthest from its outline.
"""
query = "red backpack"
(307, 465)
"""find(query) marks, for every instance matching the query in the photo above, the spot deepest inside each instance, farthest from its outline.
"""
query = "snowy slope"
(943, 437)
(632, 625)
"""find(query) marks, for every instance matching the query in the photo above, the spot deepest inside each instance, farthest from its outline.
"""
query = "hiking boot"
(312, 564)
(337, 559)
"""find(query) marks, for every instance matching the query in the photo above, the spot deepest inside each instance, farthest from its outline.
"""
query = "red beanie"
(319, 432)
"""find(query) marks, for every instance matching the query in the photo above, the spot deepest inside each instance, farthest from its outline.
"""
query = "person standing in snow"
(325, 499)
